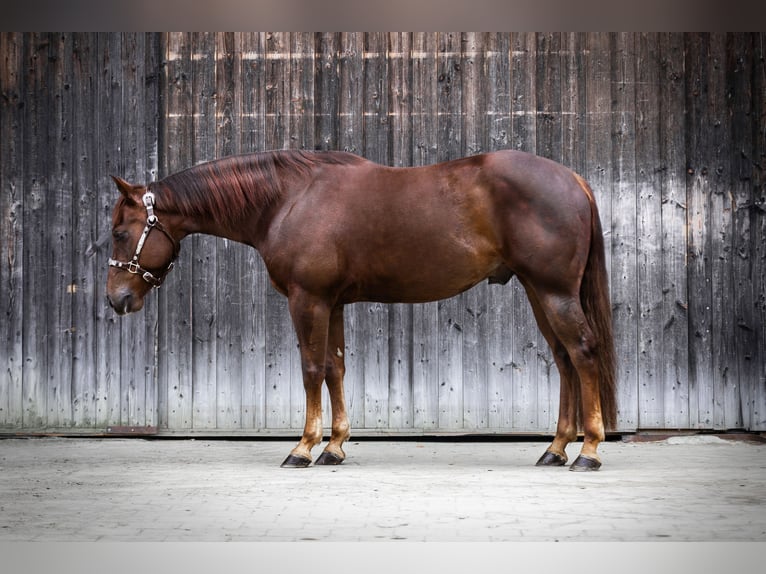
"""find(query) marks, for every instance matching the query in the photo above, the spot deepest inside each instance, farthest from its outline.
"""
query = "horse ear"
(126, 189)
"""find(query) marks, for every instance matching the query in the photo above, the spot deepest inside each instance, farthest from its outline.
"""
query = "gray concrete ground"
(681, 489)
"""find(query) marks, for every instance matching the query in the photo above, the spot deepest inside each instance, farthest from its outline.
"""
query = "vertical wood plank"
(499, 297)
(255, 278)
(726, 401)
(651, 390)
(175, 299)
(425, 320)
(475, 313)
(698, 189)
(525, 342)
(548, 143)
(673, 269)
(136, 345)
(12, 192)
(573, 101)
(149, 57)
(107, 327)
(300, 111)
(548, 84)
(739, 68)
(598, 151)
(137, 330)
(59, 213)
(35, 263)
(131, 346)
(400, 399)
(574, 128)
(351, 140)
(280, 340)
(87, 283)
(449, 145)
(230, 305)
(758, 222)
(327, 88)
(373, 318)
(204, 318)
(624, 209)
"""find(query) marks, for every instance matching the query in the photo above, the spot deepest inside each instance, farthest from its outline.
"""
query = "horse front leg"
(311, 317)
(335, 368)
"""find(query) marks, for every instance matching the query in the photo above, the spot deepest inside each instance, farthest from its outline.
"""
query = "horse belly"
(417, 276)
(426, 250)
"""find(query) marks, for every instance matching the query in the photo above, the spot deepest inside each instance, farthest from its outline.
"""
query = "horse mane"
(226, 188)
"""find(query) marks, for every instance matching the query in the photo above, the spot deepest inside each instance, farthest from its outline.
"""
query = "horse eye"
(118, 235)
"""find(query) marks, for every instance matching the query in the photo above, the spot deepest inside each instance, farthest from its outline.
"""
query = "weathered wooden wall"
(669, 129)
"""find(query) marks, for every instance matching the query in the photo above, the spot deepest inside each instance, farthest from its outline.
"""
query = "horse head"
(140, 259)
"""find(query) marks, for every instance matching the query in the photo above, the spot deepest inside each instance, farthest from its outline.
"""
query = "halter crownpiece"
(132, 266)
(148, 200)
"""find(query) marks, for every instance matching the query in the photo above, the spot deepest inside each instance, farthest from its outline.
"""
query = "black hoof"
(585, 463)
(551, 459)
(293, 461)
(328, 458)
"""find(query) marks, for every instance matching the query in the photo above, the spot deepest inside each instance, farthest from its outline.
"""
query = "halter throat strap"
(152, 222)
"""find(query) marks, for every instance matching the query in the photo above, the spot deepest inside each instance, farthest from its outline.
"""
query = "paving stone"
(55, 489)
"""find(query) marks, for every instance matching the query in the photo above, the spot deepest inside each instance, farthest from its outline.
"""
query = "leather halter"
(133, 266)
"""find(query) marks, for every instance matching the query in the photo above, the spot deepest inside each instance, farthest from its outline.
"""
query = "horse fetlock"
(341, 432)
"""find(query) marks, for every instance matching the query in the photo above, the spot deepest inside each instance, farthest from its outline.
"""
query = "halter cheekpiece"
(133, 266)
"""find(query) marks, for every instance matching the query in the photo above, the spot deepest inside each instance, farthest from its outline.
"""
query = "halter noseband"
(132, 266)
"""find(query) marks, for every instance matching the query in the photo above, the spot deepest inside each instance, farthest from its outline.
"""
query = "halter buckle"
(148, 201)
(151, 279)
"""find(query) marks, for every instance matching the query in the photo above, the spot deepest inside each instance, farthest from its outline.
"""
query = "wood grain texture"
(11, 229)
(673, 265)
(668, 129)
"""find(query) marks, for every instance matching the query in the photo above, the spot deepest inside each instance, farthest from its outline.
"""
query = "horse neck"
(243, 231)
(247, 226)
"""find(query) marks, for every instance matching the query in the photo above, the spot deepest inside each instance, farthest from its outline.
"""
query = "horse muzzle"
(125, 302)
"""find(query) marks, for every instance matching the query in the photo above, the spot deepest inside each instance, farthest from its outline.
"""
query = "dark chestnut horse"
(334, 228)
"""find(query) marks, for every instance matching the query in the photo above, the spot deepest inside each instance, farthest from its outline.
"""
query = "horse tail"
(594, 298)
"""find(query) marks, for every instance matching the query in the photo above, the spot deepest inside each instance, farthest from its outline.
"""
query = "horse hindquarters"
(585, 330)
(560, 260)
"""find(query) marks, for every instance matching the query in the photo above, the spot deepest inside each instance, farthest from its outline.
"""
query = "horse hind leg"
(566, 427)
(567, 320)
(335, 368)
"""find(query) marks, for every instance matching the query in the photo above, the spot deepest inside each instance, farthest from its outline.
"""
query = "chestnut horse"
(333, 228)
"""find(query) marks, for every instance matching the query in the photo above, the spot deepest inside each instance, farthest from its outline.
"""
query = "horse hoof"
(551, 459)
(293, 461)
(328, 458)
(585, 463)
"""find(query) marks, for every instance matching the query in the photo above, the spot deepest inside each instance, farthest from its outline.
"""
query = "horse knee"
(313, 374)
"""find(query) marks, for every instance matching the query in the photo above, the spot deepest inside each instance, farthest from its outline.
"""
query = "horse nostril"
(120, 304)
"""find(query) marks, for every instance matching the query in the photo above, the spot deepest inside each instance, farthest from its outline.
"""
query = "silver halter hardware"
(133, 266)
